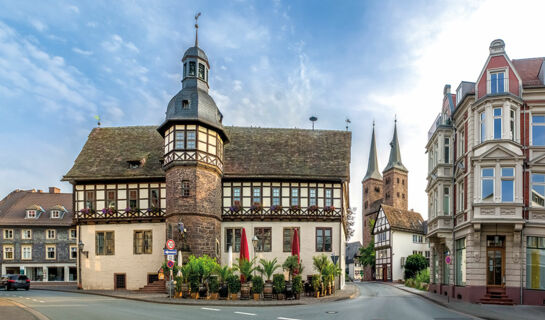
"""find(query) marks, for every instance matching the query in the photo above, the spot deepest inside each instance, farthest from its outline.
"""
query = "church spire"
(197, 29)
(372, 165)
(395, 154)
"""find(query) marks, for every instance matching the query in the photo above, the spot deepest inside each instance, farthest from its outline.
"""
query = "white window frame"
(70, 233)
(537, 183)
(446, 197)
(8, 234)
(461, 143)
(23, 247)
(532, 127)
(460, 196)
(24, 232)
(494, 117)
(55, 214)
(482, 126)
(5, 251)
(493, 178)
(71, 251)
(507, 178)
(47, 246)
(48, 234)
(31, 214)
(489, 73)
(513, 124)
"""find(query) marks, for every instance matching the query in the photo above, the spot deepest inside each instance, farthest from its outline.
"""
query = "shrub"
(279, 284)
(257, 284)
(268, 267)
(414, 263)
(315, 281)
(213, 284)
(233, 283)
(297, 284)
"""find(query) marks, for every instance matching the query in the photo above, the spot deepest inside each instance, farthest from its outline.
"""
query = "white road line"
(246, 313)
(211, 309)
(27, 298)
(282, 318)
(34, 300)
(42, 301)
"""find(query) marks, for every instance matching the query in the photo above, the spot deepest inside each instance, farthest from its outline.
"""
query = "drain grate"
(331, 312)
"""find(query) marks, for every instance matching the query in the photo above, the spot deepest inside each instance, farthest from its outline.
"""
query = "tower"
(396, 177)
(372, 191)
(193, 160)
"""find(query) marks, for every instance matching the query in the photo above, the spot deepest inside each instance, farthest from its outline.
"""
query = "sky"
(273, 64)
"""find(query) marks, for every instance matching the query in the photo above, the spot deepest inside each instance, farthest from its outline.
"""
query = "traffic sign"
(169, 252)
(171, 257)
(448, 259)
(170, 264)
(170, 244)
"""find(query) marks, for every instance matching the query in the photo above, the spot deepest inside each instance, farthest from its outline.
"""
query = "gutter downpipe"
(455, 143)
(525, 208)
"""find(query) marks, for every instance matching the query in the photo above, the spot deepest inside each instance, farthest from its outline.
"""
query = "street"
(376, 301)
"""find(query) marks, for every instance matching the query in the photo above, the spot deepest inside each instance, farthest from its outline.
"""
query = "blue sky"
(273, 64)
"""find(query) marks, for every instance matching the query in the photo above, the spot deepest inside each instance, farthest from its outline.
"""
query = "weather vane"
(313, 119)
(197, 29)
(347, 123)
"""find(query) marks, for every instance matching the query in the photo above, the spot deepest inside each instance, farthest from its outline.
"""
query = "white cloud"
(38, 25)
(116, 42)
(82, 52)
(74, 9)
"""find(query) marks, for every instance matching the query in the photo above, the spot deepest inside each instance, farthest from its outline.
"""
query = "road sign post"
(170, 244)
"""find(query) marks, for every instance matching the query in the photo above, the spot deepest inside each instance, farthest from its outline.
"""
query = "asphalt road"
(376, 301)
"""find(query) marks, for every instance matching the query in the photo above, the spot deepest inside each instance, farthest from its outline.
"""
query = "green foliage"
(178, 284)
(297, 284)
(233, 282)
(185, 273)
(201, 268)
(257, 284)
(367, 255)
(213, 284)
(320, 263)
(328, 271)
(279, 284)
(315, 282)
(223, 272)
(292, 265)
(246, 268)
(423, 276)
(268, 267)
(414, 263)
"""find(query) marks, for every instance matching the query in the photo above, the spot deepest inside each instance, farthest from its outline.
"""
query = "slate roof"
(352, 251)
(13, 208)
(528, 70)
(404, 220)
(394, 161)
(372, 165)
(252, 153)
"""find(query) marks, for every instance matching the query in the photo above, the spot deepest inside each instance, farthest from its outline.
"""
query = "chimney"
(54, 190)
(40, 191)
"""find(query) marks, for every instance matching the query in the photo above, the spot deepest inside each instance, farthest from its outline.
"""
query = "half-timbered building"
(195, 181)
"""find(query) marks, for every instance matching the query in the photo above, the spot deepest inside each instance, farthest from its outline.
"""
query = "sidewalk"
(484, 311)
(350, 291)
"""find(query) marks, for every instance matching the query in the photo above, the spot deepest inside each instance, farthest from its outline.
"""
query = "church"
(396, 231)
(198, 182)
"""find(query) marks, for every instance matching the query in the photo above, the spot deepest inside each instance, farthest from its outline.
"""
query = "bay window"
(256, 196)
(512, 124)
(507, 184)
(275, 196)
(538, 190)
(446, 201)
(482, 118)
(446, 150)
(497, 123)
(535, 266)
(538, 130)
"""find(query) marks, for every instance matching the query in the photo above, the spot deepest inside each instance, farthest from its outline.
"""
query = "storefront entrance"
(495, 261)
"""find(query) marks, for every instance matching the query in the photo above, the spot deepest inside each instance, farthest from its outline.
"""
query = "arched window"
(192, 68)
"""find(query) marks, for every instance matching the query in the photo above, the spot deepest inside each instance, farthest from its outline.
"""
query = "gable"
(381, 223)
(539, 159)
(499, 152)
(494, 63)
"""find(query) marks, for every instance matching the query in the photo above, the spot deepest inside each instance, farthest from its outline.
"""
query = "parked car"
(14, 282)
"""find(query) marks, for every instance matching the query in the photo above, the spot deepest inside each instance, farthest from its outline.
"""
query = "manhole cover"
(331, 312)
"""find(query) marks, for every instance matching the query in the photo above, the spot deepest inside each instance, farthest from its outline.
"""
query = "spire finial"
(373, 124)
(197, 29)
(395, 119)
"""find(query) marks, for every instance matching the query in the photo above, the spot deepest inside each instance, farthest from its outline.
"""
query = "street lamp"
(80, 247)
(254, 243)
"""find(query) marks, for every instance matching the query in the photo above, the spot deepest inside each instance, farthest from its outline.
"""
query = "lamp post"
(255, 240)
(81, 245)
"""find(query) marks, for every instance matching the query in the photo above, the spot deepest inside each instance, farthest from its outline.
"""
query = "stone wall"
(396, 192)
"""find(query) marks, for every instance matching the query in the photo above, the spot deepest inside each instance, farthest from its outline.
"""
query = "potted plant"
(295, 207)
(223, 273)
(213, 286)
(315, 282)
(234, 286)
(246, 268)
(276, 208)
(184, 282)
(257, 287)
(279, 285)
(329, 208)
(108, 212)
(297, 284)
(235, 207)
(256, 207)
(292, 266)
(320, 264)
(267, 268)
(313, 208)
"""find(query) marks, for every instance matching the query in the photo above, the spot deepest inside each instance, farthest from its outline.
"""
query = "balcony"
(321, 214)
(439, 224)
(85, 216)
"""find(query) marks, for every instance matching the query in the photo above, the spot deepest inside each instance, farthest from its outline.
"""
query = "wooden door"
(495, 267)
(385, 272)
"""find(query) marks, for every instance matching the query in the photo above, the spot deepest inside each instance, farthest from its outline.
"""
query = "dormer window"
(185, 104)
(31, 214)
(192, 68)
(201, 71)
(497, 82)
(459, 95)
(134, 164)
(55, 214)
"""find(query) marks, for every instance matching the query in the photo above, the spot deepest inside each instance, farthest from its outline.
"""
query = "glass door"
(495, 261)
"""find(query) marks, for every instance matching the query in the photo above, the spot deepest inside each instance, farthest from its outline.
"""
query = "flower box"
(329, 208)
(276, 208)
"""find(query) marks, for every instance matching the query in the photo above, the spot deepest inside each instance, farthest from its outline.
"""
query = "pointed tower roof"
(395, 154)
(372, 165)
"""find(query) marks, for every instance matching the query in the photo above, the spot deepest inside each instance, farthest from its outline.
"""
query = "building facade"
(354, 269)
(388, 194)
(485, 185)
(199, 183)
(38, 237)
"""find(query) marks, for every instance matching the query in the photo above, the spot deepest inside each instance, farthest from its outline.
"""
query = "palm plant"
(223, 272)
(268, 267)
(246, 268)
(320, 263)
(292, 265)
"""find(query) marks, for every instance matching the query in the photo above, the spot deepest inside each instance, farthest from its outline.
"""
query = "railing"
(142, 214)
(286, 213)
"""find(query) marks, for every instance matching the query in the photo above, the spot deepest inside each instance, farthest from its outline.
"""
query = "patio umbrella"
(230, 257)
(244, 252)
(295, 246)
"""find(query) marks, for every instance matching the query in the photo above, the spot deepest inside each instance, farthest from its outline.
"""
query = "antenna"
(197, 29)
(313, 119)
(348, 122)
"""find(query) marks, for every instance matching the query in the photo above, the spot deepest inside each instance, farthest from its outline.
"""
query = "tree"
(367, 254)
(414, 264)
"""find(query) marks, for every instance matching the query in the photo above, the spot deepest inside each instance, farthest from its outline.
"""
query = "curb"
(181, 302)
(36, 314)
(445, 305)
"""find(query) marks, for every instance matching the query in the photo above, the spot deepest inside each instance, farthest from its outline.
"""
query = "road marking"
(282, 318)
(211, 309)
(34, 300)
(246, 313)
(42, 301)
(27, 298)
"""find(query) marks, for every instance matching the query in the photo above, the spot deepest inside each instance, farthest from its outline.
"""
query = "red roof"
(13, 208)
(528, 70)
